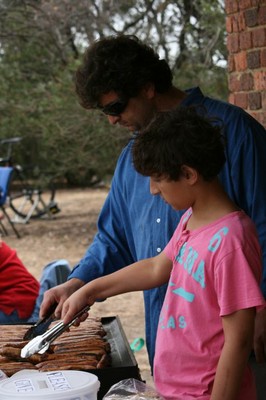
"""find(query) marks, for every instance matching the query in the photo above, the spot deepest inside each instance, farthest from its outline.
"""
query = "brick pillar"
(246, 44)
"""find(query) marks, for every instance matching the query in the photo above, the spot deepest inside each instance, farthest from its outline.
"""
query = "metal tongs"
(42, 325)
(41, 343)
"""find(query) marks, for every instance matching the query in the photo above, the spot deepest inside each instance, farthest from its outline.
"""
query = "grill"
(123, 365)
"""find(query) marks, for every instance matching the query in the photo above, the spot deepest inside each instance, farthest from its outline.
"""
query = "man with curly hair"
(129, 83)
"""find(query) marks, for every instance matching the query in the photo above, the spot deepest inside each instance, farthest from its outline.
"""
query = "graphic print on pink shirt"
(216, 270)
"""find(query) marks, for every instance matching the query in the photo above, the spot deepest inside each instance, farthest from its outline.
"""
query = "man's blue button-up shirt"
(134, 225)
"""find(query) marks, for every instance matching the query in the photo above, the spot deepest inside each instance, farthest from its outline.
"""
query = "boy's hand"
(74, 304)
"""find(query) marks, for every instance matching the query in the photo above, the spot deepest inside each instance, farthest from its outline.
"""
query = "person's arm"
(248, 190)
(112, 246)
(142, 275)
(260, 336)
(253, 195)
(58, 295)
(238, 332)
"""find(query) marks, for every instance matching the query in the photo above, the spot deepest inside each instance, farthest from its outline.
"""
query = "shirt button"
(158, 220)
(158, 249)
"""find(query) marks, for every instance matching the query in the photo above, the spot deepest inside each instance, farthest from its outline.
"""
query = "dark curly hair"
(122, 64)
(176, 138)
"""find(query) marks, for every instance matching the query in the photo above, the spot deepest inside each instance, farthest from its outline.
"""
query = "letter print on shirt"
(188, 261)
(217, 238)
(171, 322)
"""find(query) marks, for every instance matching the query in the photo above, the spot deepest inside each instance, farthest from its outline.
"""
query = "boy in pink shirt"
(212, 265)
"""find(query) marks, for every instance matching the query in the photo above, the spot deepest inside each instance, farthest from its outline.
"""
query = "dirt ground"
(68, 236)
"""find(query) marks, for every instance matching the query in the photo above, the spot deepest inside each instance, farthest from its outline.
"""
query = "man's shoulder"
(125, 156)
(233, 118)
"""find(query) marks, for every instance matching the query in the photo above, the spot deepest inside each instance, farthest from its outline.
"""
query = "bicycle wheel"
(31, 198)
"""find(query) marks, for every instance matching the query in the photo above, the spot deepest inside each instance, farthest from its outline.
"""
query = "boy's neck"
(212, 203)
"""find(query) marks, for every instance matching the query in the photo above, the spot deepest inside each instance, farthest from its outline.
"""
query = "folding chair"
(5, 177)
(3, 228)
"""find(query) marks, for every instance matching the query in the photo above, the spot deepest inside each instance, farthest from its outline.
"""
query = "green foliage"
(79, 144)
(40, 46)
(213, 82)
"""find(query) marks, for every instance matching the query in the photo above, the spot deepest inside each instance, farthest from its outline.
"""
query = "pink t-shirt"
(216, 270)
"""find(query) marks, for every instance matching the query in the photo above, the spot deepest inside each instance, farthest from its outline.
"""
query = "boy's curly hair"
(179, 137)
(122, 64)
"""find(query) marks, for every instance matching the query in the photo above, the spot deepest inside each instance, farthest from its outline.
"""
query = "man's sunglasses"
(114, 108)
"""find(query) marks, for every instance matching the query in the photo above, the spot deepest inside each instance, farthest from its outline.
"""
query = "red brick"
(254, 100)
(243, 4)
(241, 100)
(245, 41)
(234, 83)
(233, 43)
(246, 82)
(241, 22)
(259, 37)
(253, 114)
(251, 17)
(231, 6)
(229, 24)
(253, 59)
(241, 61)
(230, 63)
(263, 98)
(262, 120)
(263, 58)
(260, 80)
(235, 25)
(262, 15)
(260, 116)
(231, 98)
(263, 107)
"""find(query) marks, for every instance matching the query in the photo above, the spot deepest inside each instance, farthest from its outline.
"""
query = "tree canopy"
(41, 43)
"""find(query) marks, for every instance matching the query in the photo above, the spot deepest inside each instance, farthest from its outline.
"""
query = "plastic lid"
(55, 385)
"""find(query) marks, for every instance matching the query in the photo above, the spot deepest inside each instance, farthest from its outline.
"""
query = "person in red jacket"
(20, 292)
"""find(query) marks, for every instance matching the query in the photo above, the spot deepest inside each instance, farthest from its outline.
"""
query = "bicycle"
(28, 197)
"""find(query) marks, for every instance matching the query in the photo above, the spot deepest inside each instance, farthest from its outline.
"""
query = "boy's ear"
(149, 90)
(190, 174)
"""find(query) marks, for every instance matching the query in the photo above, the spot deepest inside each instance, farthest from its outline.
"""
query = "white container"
(53, 385)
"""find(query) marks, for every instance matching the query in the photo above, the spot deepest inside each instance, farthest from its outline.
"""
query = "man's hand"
(59, 294)
(260, 336)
